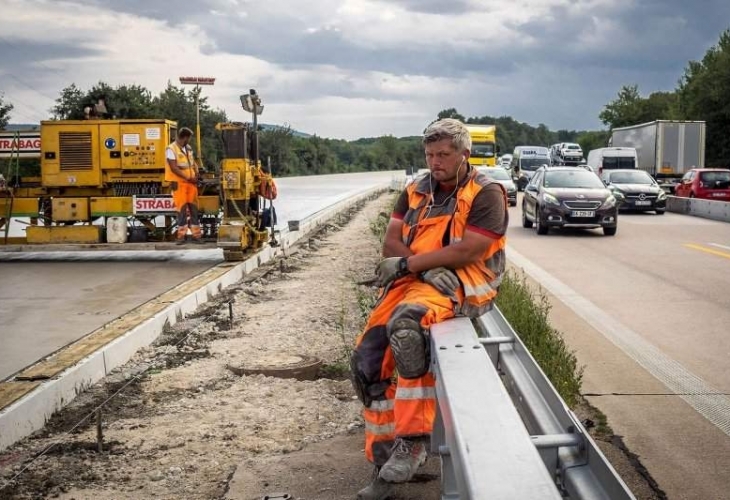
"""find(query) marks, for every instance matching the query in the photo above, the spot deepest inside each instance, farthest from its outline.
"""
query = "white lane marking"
(699, 394)
(717, 245)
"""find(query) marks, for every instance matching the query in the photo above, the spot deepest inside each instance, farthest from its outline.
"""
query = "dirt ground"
(186, 427)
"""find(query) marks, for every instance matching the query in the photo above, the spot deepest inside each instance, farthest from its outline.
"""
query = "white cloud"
(349, 68)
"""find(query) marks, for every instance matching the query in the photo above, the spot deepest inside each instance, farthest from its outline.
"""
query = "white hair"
(448, 128)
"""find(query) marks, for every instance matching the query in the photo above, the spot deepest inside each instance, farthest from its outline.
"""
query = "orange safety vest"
(184, 161)
(428, 227)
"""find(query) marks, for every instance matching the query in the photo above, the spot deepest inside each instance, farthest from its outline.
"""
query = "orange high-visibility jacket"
(184, 158)
(429, 227)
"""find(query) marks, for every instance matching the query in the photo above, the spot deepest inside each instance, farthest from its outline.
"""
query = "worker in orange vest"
(182, 173)
(443, 256)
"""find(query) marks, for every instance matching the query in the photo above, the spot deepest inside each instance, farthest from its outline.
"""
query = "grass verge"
(527, 311)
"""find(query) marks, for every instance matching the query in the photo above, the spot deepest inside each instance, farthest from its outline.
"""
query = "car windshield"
(498, 174)
(719, 180)
(634, 177)
(482, 150)
(572, 146)
(533, 164)
(572, 179)
(615, 162)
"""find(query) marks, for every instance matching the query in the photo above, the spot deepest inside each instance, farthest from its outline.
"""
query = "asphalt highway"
(648, 313)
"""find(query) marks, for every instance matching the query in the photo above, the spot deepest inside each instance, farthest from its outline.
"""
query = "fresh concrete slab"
(666, 295)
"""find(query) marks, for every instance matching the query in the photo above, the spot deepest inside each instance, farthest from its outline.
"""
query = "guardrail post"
(449, 488)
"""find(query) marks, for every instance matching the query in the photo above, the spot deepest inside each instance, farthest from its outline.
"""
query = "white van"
(525, 161)
(612, 159)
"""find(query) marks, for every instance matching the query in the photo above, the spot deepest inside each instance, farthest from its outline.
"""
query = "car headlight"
(550, 199)
(610, 202)
(618, 194)
(662, 195)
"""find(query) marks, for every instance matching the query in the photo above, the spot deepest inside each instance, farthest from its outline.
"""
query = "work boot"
(180, 241)
(198, 241)
(376, 490)
(407, 456)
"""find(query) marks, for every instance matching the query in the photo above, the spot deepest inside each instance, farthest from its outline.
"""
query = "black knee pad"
(410, 347)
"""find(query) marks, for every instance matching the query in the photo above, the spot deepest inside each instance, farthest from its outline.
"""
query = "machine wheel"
(526, 223)
(660, 211)
(610, 231)
(539, 226)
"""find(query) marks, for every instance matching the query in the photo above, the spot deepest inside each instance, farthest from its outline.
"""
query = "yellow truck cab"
(483, 145)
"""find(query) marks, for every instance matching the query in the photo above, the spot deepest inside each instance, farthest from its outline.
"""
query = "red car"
(705, 183)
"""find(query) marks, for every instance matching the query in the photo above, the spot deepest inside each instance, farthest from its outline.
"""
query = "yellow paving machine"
(96, 172)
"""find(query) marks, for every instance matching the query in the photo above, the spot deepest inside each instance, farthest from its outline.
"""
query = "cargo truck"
(483, 145)
(666, 149)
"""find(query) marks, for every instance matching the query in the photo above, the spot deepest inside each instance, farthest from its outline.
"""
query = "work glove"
(391, 269)
(442, 279)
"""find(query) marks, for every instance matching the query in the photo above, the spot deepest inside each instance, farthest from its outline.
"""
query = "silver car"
(503, 177)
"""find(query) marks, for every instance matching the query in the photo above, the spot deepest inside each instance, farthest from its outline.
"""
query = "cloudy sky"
(354, 68)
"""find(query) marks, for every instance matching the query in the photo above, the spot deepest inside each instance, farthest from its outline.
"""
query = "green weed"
(527, 311)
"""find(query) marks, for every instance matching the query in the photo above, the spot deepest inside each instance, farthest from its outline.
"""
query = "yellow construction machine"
(96, 170)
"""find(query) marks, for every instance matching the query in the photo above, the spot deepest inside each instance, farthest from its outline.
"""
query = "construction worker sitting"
(182, 173)
(443, 256)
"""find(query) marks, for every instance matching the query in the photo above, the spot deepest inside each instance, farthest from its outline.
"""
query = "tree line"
(703, 93)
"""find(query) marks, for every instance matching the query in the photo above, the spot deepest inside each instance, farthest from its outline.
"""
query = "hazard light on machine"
(153, 205)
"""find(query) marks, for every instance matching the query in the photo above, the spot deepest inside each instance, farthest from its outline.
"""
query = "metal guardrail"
(502, 430)
(707, 209)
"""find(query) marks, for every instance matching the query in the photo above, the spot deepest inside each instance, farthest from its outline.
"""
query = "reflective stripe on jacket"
(429, 227)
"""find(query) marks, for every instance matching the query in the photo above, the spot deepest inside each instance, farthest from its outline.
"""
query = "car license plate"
(643, 203)
(582, 213)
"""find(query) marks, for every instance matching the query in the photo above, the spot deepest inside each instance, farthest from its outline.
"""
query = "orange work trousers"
(185, 197)
(400, 407)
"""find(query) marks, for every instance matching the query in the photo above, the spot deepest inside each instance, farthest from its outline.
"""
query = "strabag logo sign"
(27, 145)
(154, 205)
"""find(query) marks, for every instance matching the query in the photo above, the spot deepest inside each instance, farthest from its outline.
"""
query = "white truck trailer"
(666, 149)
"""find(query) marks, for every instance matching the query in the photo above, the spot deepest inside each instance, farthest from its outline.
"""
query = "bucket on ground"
(116, 230)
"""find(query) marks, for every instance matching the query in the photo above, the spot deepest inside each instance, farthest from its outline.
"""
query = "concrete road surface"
(48, 300)
(648, 312)
(46, 305)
